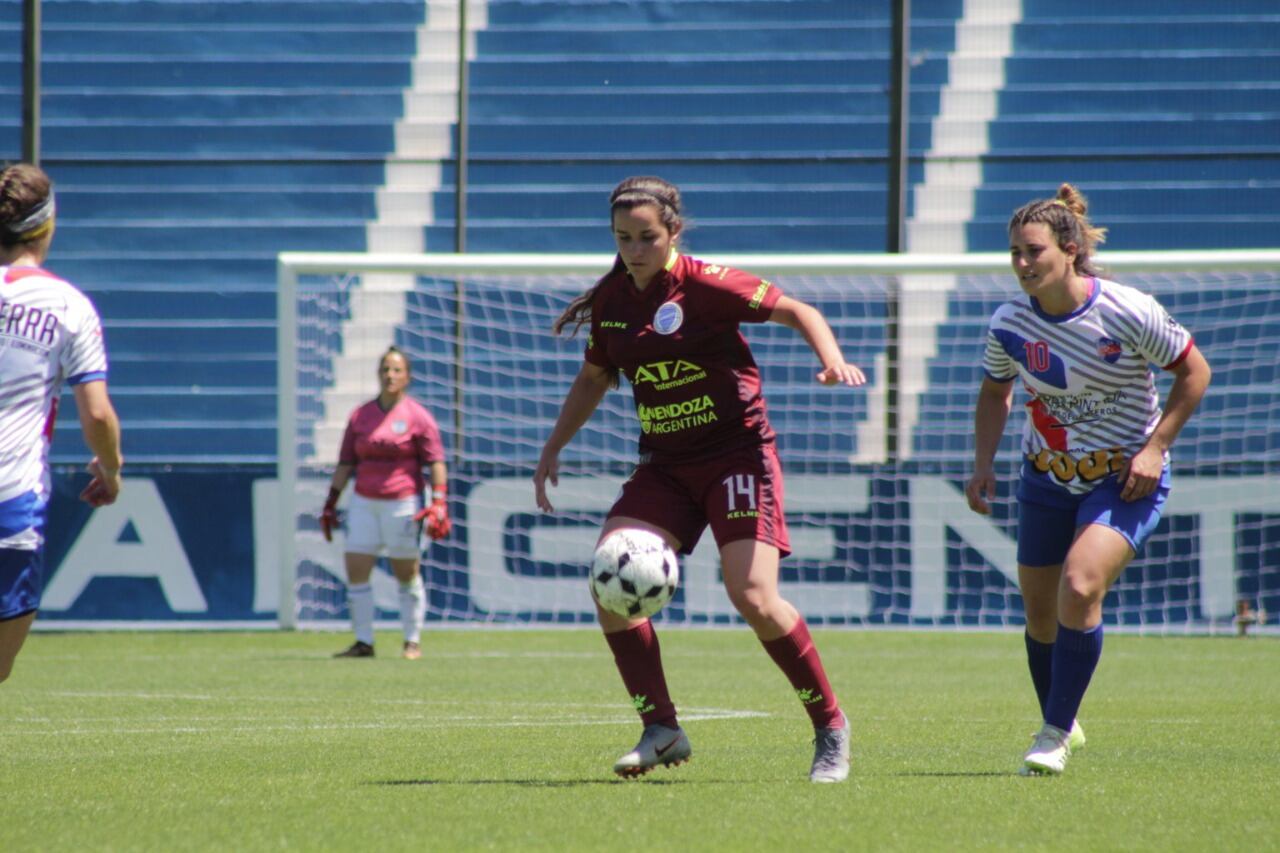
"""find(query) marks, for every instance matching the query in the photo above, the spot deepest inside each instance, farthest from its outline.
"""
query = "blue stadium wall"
(178, 192)
(196, 547)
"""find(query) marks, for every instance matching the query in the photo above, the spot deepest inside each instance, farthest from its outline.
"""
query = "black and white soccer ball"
(634, 573)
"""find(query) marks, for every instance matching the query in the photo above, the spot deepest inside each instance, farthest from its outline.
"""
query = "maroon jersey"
(696, 386)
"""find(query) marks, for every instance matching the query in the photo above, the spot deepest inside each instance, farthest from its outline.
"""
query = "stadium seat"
(191, 143)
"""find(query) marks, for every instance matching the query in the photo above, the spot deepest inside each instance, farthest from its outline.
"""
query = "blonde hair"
(1067, 215)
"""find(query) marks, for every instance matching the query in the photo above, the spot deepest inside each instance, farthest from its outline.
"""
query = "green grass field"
(504, 740)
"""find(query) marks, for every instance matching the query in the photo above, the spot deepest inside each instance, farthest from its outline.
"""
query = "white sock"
(413, 608)
(360, 600)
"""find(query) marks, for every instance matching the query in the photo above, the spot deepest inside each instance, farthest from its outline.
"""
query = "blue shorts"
(21, 582)
(1047, 523)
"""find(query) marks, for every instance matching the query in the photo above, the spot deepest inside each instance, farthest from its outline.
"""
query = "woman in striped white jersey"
(49, 334)
(1095, 469)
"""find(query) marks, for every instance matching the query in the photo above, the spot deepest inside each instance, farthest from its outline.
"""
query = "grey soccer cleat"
(658, 746)
(1075, 741)
(831, 753)
(1048, 753)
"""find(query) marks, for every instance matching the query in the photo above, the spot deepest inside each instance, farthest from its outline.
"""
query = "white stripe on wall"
(943, 205)
(413, 177)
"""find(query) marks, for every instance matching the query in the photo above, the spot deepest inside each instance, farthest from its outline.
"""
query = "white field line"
(363, 700)
(261, 654)
(417, 723)
(435, 722)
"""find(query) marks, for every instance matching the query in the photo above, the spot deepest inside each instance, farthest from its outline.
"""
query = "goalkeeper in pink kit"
(388, 442)
(707, 457)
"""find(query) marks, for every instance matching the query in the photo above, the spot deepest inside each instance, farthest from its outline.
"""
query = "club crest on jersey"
(1109, 350)
(399, 427)
(668, 318)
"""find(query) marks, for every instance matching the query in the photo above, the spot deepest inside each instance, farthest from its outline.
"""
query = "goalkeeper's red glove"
(435, 517)
(329, 515)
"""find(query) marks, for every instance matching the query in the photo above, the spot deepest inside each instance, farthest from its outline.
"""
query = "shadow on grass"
(532, 783)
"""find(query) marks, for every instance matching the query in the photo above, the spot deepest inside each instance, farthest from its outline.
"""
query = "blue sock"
(1075, 657)
(1040, 662)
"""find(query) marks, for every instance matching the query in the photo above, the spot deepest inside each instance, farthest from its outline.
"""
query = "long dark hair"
(630, 193)
(1067, 215)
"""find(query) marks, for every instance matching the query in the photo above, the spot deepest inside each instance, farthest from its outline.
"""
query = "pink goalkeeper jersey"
(389, 449)
(696, 385)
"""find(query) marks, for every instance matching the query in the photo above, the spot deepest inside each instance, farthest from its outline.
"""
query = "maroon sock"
(798, 658)
(639, 660)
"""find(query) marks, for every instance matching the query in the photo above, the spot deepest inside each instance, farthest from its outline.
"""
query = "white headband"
(43, 213)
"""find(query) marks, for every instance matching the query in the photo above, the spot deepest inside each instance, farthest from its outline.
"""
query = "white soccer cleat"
(659, 746)
(1075, 739)
(831, 754)
(1048, 753)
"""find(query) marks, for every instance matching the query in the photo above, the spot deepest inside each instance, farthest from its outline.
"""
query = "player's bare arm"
(992, 412)
(810, 323)
(341, 476)
(1191, 379)
(439, 475)
(101, 429)
(588, 389)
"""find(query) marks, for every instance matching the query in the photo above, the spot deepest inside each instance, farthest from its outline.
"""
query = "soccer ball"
(634, 573)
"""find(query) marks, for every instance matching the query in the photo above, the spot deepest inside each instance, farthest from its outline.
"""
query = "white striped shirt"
(49, 334)
(1093, 399)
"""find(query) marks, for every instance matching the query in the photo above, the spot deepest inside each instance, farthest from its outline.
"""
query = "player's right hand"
(980, 488)
(329, 518)
(548, 469)
(329, 522)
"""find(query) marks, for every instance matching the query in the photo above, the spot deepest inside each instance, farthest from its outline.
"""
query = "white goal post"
(881, 534)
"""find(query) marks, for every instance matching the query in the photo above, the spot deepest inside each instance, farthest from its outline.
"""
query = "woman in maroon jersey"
(707, 456)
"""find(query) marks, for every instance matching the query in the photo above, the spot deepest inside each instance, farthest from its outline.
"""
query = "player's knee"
(752, 603)
(1080, 591)
(1042, 623)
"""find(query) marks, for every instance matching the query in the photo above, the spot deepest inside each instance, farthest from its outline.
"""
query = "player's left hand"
(435, 519)
(1141, 474)
(842, 374)
(104, 488)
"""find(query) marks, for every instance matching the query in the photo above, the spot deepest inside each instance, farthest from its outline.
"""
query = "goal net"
(881, 532)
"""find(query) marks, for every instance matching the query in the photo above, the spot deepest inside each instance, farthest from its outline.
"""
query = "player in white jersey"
(49, 334)
(1095, 470)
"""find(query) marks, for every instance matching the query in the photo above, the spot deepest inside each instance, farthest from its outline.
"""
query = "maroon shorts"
(738, 493)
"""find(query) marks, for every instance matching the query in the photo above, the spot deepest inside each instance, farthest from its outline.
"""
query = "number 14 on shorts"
(740, 487)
